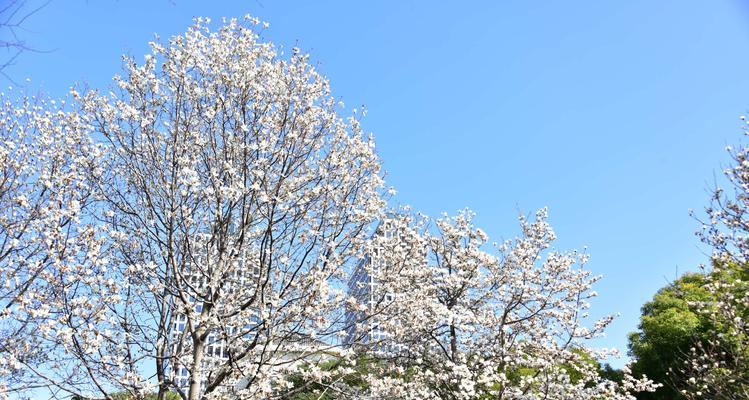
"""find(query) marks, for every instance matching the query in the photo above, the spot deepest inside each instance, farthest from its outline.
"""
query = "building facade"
(363, 327)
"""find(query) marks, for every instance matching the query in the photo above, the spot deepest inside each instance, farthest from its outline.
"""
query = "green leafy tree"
(330, 379)
(678, 320)
(668, 328)
(717, 368)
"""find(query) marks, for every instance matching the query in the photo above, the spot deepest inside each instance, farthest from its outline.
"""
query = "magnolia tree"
(227, 204)
(458, 322)
(50, 254)
(235, 197)
(719, 368)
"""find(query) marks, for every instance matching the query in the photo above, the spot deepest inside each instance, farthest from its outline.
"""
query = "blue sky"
(613, 114)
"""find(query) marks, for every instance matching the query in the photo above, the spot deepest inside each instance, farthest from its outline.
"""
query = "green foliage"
(669, 326)
(573, 370)
(128, 396)
(341, 376)
(608, 372)
(169, 396)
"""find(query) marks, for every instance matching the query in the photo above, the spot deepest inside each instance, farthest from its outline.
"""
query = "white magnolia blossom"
(56, 290)
(462, 323)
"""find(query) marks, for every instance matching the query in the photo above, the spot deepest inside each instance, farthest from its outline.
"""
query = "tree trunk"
(453, 342)
(196, 373)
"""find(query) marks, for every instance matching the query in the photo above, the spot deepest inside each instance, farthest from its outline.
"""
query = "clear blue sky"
(614, 114)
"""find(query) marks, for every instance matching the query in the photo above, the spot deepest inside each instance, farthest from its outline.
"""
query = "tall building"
(241, 280)
(241, 275)
(361, 326)
(216, 351)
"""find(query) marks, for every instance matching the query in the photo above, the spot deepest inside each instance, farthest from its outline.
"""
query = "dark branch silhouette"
(13, 16)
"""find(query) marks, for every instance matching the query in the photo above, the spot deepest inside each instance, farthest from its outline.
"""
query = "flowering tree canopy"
(229, 199)
(50, 254)
(193, 230)
(461, 323)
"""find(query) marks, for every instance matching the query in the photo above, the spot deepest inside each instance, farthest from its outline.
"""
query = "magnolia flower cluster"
(57, 286)
(458, 322)
(718, 368)
(194, 229)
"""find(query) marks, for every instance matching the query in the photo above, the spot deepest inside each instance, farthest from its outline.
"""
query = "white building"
(361, 326)
(216, 348)
(241, 281)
